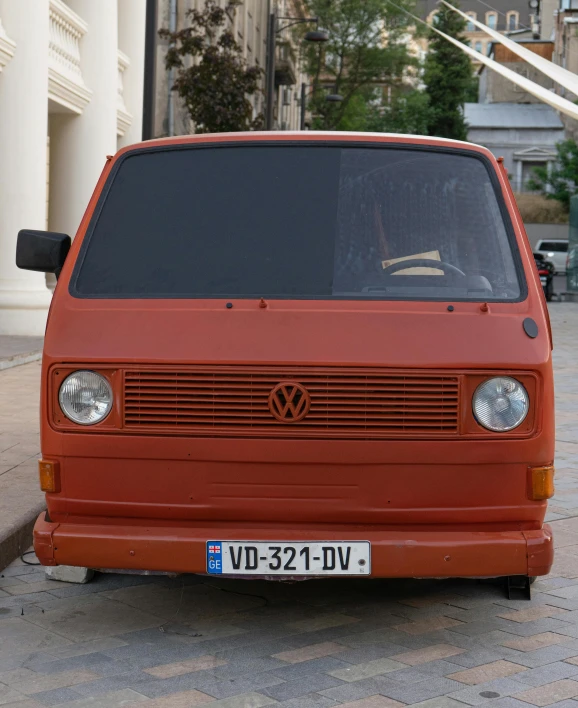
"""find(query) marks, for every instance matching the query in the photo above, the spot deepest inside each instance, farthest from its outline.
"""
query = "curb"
(18, 537)
(19, 359)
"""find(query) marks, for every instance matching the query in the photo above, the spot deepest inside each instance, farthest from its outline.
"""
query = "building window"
(478, 47)
(512, 21)
(491, 20)
(470, 27)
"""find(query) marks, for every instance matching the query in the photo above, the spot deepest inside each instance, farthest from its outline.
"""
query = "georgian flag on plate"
(215, 558)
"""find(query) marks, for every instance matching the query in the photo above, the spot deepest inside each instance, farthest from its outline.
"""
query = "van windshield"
(298, 221)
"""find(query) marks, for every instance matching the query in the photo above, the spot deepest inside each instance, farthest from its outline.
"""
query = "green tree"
(408, 112)
(364, 50)
(448, 77)
(561, 182)
(212, 78)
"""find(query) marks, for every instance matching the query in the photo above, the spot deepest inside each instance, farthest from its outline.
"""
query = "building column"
(131, 40)
(519, 176)
(79, 144)
(24, 298)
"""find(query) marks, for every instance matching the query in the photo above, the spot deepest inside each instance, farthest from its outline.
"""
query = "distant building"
(566, 52)
(566, 40)
(495, 88)
(525, 135)
(506, 16)
(511, 122)
(250, 24)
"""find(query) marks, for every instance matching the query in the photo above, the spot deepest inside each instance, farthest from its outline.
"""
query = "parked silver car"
(554, 250)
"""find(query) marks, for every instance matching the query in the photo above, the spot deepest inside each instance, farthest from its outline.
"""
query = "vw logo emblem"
(289, 402)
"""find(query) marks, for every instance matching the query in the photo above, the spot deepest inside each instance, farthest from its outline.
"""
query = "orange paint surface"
(450, 501)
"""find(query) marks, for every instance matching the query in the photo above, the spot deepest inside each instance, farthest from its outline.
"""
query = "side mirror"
(43, 251)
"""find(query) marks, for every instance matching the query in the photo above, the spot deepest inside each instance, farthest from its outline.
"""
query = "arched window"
(512, 21)
(492, 20)
(470, 27)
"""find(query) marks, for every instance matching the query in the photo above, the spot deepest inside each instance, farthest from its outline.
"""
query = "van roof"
(305, 135)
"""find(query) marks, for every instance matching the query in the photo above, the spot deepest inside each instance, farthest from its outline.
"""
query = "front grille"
(345, 403)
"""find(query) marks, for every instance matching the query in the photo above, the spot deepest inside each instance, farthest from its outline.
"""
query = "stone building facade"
(525, 135)
(495, 88)
(512, 123)
(250, 25)
(566, 53)
(71, 92)
(506, 16)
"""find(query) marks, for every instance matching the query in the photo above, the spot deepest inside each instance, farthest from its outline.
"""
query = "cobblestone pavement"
(20, 497)
(187, 641)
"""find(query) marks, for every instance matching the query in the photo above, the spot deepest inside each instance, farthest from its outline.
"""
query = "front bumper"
(136, 545)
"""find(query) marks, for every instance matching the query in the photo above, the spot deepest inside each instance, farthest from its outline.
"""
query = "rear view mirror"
(43, 251)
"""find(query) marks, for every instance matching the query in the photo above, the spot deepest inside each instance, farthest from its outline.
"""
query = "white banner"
(557, 73)
(552, 99)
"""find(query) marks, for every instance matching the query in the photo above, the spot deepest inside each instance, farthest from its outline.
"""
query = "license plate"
(288, 558)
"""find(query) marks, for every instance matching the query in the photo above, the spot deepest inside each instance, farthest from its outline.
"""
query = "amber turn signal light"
(49, 476)
(541, 482)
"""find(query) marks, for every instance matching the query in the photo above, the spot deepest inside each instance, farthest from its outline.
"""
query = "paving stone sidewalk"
(19, 350)
(124, 640)
(20, 497)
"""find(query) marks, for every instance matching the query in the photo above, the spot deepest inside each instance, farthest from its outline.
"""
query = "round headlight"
(501, 404)
(85, 397)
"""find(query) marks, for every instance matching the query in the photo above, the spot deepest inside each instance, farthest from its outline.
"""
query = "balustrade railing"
(66, 29)
(7, 47)
(124, 118)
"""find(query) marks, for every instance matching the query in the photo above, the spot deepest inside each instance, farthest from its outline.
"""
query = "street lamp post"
(535, 18)
(330, 98)
(270, 77)
(303, 106)
(273, 30)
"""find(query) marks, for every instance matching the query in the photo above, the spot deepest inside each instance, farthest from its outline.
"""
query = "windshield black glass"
(297, 221)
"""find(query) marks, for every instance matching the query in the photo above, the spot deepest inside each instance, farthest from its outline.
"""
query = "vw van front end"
(299, 355)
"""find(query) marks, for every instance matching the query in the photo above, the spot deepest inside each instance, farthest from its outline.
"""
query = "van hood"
(392, 334)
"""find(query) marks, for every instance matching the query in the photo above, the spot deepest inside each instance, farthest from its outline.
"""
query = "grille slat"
(223, 389)
(320, 408)
(379, 417)
(345, 403)
(218, 420)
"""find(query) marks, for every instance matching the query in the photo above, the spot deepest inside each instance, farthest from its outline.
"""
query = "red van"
(297, 354)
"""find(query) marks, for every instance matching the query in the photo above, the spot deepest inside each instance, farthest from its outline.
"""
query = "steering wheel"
(447, 268)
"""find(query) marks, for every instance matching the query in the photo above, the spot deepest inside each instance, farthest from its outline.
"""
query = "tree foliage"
(448, 77)
(561, 182)
(403, 111)
(212, 77)
(364, 50)
(406, 112)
